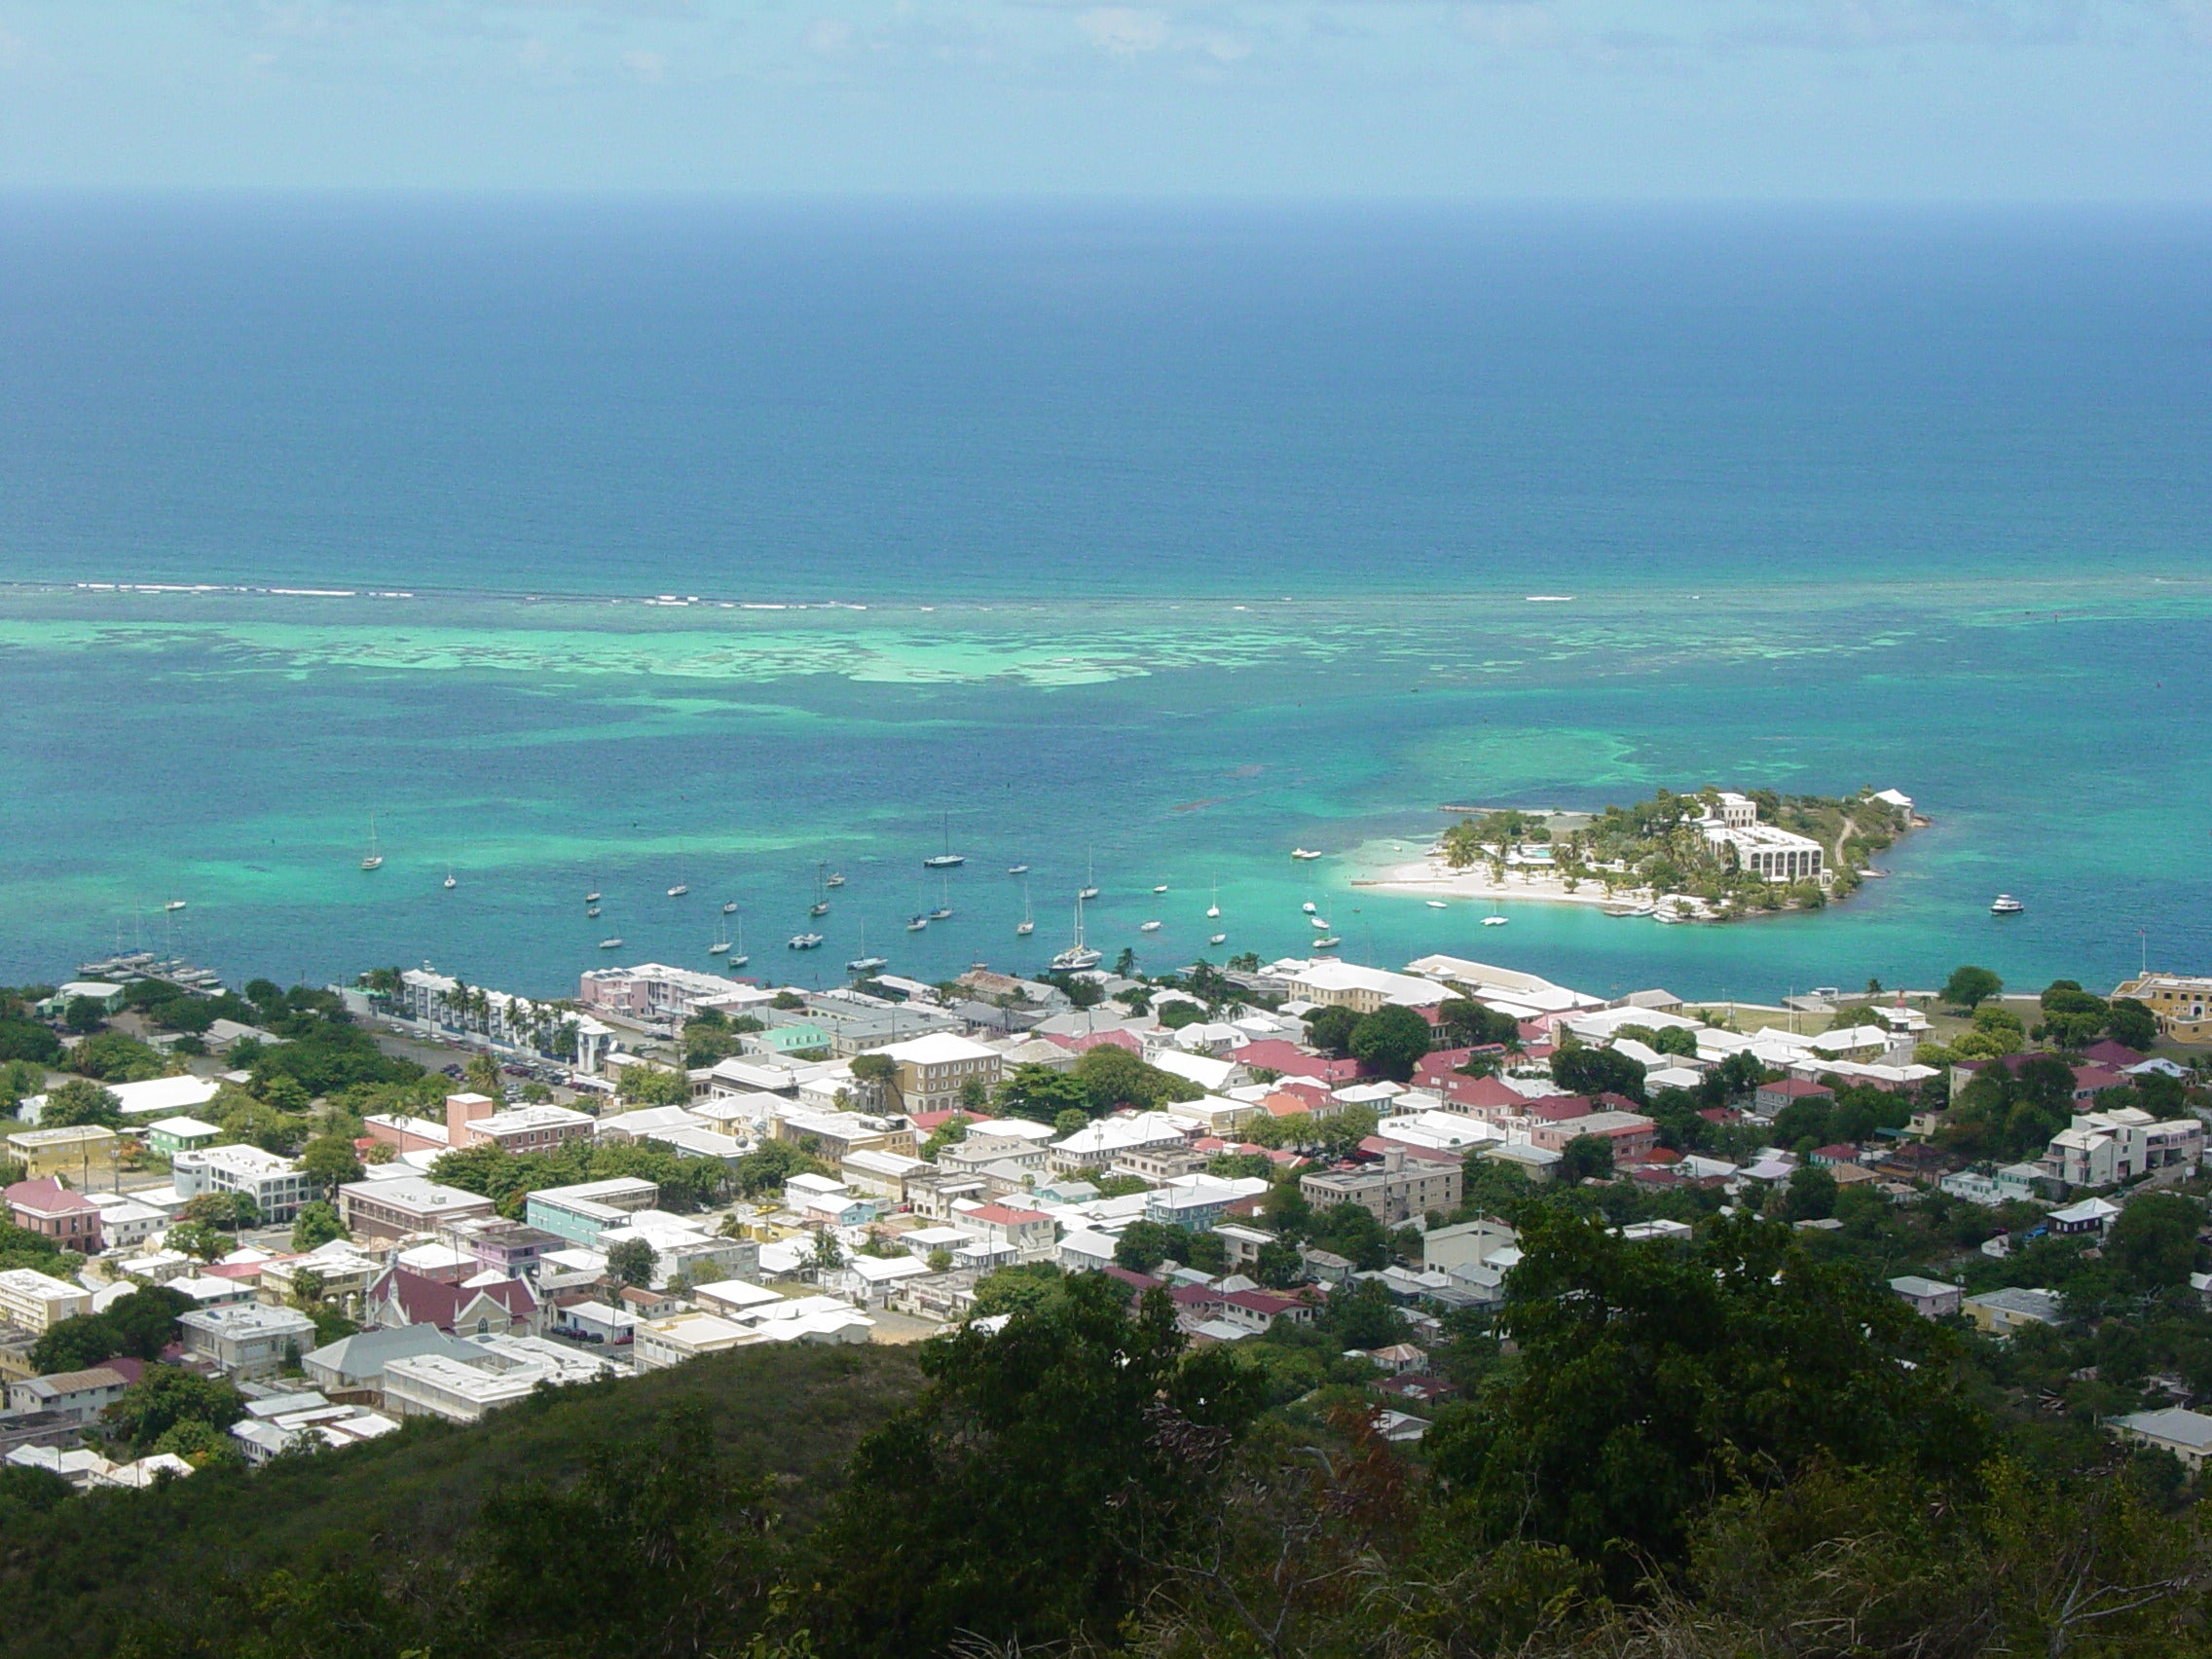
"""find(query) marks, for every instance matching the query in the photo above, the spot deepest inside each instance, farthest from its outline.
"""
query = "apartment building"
(1394, 1193)
(274, 1184)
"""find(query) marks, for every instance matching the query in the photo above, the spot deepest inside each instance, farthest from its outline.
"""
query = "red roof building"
(503, 1306)
(50, 1209)
(1557, 1108)
(1290, 1060)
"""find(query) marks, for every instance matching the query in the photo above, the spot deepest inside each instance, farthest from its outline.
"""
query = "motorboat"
(1310, 907)
(1330, 943)
(614, 944)
(1495, 921)
(1218, 938)
(1302, 854)
(805, 941)
(178, 903)
(1161, 888)
(1438, 905)
(1148, 927)
(1017, 869)
(679, 890)
(2005, 904)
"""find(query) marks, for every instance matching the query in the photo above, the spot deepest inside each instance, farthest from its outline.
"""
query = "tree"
(655, 1085)
(136, 1326)
(2153, 1242)
(482, 1075)
(1465, 1023)
(79, 1101)
(1070, 1121)
(1042, 1093)
(975, 1094)
(2133, 1024)
(23, 1039)
(1653, 1378)
(1968, 987)
(84, 1015)
(284, 1093)
(197, 1238)
(1279, 1265)
(1111, 1078)
(317, 1224)
(1598, 1071)
(1019, 1499)
(1330, 1029)
(1811, 1196)
(164, 1396)
(1586, 1158)
(829, 1254)
(1125, 963)
(631, 1261)
(1676, 1039)
(1393, 1039)
(330, 1163)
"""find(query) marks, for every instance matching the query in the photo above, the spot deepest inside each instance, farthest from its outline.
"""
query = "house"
(47, 1207)
(1287, 1059)
(935, 1071)
(498, 1371)
(870, 1281)
(1258, 1309)
(172, 1135)
(1027, 1232)
(1631, 1134)
(1931, 1299)
(1398, 1190)
(285, 1423)
(246, 1339)
(517, 1128)
(78, 1395)
(1771, 1098)
(402, 1205)
(655, 1345)
(2001, 1312)
(33, 1302)
(2187, 1435)
(1535, 1162)
(1470, 1244)
(1346, 984)
(581, 1212)
(355, 1364)
(502, 1307)
(879, 1174)
(2177, 1001)
(2100, 1148)
(2090, 1215)
(274, 1185)
(80, 1152)
(1098, 1144)
(1196, 1202)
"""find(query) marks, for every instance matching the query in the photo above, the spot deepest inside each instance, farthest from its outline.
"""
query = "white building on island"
(1762, 850)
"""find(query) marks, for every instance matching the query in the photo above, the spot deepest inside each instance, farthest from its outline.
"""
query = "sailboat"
(1148, 927)
(679, 890)
(1310, 907)
(863, 963)
(591, 898)
(174, 905)
(1028, 923)
(944, 910)
(375, 857)
(1213, 910)
(1494, 919)
(1161, 888)
(1218, 938)
(820, 904)
(722, 944)
(1090, 888)
(614, 944)
(1078, 957)
(591, 909)
(450, 883)
(730, 908)
(1017, 869)
(947, 859)
(835, 878)
(737, 957)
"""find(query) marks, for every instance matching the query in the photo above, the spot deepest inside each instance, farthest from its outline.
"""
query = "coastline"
(1433, 878)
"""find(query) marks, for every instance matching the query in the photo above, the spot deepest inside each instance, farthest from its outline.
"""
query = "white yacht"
(375, 857)
(1495, 921)
(1161, 888)
(947, 859)
(1218, 938)
(803, 941)
(1438, 905)
(730, 908)
(2005, 904)
(450, 885)
(1213, 910)
(1148, 927)
(614, 944)
(1089, 887)
(1078, 957)
(1304, 854)
(1310, 907)
(178, 904)
(1028, 923)
(737, 957)
(863, 963)
(679, 890)
(1329, 942)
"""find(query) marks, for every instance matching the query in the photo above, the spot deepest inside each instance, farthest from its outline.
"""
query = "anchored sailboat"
(947, 859)
(1078, 957)
(375, 857)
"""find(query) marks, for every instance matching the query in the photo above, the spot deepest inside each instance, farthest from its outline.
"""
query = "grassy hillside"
(67, 1578)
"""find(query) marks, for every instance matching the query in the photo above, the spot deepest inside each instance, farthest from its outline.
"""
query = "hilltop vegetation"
(1729, 1447)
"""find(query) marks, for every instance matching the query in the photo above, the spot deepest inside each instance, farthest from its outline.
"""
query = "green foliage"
(1025, 1287)
(1391, 1040)
(1654, 1378)
(112, 1056)
(1043, 1095)
(1811, 1194)
(330, 1161)
(23, 1039)
(1676, 1039)
(1970, 987)
(631, 1261)
(655, 1085)
(1598, 1071)
(1330, 1029)
(198, 1239)
(2131, 1022)
(763, 1172)
(2152, 1244)
(1020, 1495)
(135, 1326)
(1145, 1244)
(510, 1178)
(1112, 1077)
(952, 1132)
(79, 1101)
(1465, 1023)
(164, 1396)
(1585, 1158)
(317, 1224)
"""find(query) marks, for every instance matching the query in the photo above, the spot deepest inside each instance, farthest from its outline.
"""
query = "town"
(249, 1224)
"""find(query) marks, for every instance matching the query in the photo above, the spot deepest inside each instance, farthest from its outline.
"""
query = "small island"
(1708, 856)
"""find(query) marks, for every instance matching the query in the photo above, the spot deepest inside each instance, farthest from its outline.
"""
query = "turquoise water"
(1168, 538)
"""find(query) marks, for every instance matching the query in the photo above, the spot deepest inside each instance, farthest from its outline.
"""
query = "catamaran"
(375, 857)
(947, 859)
(1078, 957)
(803, 942)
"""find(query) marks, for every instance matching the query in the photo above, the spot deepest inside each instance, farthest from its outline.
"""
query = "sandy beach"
(1433, 878)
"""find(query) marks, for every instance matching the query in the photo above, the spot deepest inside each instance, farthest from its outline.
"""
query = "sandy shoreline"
(1433, 878)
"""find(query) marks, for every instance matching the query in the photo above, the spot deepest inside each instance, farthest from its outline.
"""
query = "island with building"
(1708, 856)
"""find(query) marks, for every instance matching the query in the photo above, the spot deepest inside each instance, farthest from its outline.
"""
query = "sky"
(1943, 100)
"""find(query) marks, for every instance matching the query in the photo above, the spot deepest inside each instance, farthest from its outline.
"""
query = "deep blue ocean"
(1164, 537)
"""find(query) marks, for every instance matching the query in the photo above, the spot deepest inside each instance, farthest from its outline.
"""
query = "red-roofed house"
(504, 1306)
(1117, 1038)
(1772, 1097)
(1829, 1156)
(1486, 1098)
(1030, 1232)
(1257, 1309)
(1290, 1060)
(1557, 1108)
(47, 1207)
(2116, 1056)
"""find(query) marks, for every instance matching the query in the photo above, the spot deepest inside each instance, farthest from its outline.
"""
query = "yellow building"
(2181, 1003)
(77, 1153)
